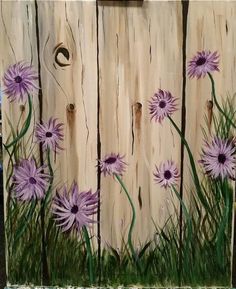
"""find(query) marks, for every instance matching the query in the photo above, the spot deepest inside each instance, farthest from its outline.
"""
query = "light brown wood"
(17, 42)
(210, 27)
(139, 52)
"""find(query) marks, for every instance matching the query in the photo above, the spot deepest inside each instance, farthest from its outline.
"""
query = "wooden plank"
(139, 52)
(210, 27)
(68, 47)
(17, 43)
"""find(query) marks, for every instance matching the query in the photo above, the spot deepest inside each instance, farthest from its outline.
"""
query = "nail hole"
(209, 104)
(138, 105)
(22, 107)
(70, 107)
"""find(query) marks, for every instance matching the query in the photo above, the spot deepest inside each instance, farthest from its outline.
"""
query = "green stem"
(135, 257)
(192, 163)
(89, 253)
(25, 127)
(213, 92)
(51, 178)
(186, 244)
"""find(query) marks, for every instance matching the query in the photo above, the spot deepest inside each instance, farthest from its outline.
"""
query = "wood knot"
(138, 106)
(209, 104)
(22, 107)
(62, 55)
(70, 107)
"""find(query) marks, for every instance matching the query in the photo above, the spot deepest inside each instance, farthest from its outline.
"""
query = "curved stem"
(187, 216)
(135, 257)
(89, 253)
(25, 127)
(213, 92)
(192, 163)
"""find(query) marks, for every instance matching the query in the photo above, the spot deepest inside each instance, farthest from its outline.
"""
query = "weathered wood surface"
(16, 45)
(131, 70)
(139, 50)
(210, 26)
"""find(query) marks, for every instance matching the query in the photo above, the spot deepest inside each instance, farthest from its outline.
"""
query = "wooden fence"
(98, 67)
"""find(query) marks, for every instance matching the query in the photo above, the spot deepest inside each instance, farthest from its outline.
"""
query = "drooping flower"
(49, 134)
(162, 104)
(218, 158)
(202, 63)
(112, 164)
(29, 181)
(166, 174)
(73, 209)
(19, 81)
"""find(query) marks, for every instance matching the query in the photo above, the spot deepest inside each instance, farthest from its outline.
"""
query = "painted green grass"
(203, 258)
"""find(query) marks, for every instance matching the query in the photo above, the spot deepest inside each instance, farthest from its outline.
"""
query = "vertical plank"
(139, 52)
(68, 50)
(17, 43)
(212, 27)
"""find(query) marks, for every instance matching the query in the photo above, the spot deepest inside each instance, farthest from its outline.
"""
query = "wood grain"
(17, 42)
(140, 51)
(212, 27)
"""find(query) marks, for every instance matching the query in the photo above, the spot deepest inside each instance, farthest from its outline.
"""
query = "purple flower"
(29, 182)
(49, 133)
(202, 63)
(112, 164)
(218, 158)
(74, 209)
(167, 174)
(19, 81)
(162, 104)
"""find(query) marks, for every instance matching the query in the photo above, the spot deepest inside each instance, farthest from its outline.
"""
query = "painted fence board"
(99, 65)
(131, 70)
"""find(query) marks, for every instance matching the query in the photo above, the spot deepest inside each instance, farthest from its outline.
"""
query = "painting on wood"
(119, 145)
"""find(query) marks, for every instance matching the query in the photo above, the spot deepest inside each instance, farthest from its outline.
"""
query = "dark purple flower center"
(18, 79)
(201, 61)
(32, 181)
(74, 209)
(167, 175)
(110, 160)
(162, 104)
(48, 134)
(221, 158)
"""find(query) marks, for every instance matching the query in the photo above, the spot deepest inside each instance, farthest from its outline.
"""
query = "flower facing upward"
(19, 81)
(49, 134)
(73, 209)
(29, 182)
(218, 158)
(162, 104)
(202, 63)
(112, 164)
(167, 174)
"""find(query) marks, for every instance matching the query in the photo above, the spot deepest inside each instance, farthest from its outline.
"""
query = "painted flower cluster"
(75, 211)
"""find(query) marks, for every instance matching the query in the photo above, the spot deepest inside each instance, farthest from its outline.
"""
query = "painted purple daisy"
(29, 182)
(112, 164)
(162, 104)
(202, 63)
(19, 81)
(49, 134)
(218, 158)
(167, 174)
(74, 209)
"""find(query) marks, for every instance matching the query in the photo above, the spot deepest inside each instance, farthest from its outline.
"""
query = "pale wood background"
(119, 55)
